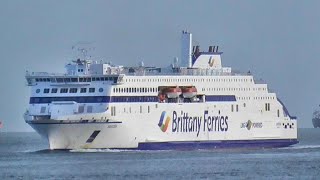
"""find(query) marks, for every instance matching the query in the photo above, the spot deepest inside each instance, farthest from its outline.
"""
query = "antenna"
(84, 49)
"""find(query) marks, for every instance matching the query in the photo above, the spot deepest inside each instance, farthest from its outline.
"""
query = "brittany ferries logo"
(249, 125)
(164, 125)
(185, 123)
(211, 62)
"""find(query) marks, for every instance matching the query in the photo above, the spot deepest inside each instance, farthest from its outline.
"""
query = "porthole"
(38, 90)
(100, 89)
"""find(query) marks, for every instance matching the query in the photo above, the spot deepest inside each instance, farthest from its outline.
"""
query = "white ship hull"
(203, 129)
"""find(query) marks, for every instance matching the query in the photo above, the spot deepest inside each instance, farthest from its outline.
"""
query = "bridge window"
(91, 90)
(74, 79)
(53, 79)
(59, 80)
(83, 90)
(46, 90)
(64, 90)
(54, 90)
(73, 90)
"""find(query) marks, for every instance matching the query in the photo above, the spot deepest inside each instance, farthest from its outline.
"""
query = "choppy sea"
(25, 156)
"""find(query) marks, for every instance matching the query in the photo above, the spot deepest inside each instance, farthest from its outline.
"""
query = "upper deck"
(193, 63)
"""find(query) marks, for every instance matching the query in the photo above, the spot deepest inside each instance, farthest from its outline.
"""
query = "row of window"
(70, 90)
(90, 79)
(94, 99)
(107, 99)
(79, 99)
(76, 79)
(152, 89)
(255, 98)
(190, 80)
(134, 99)
(233, 89)
(134, 90)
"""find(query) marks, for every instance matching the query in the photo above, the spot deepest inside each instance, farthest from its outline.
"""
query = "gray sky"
(277, 40)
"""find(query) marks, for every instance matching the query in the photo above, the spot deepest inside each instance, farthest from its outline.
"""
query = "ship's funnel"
(210, 49)
(186, 49)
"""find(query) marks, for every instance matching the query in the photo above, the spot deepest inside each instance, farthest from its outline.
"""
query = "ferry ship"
(193, 104)
(316, 118)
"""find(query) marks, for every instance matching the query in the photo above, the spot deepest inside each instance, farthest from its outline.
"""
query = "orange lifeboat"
(173, 92)
(161, 97)
(189, 92)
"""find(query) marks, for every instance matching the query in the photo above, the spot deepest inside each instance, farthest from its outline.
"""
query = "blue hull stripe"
(270, 143)
(119, 99)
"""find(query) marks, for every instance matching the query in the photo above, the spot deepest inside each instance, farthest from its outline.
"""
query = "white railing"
(164, 72)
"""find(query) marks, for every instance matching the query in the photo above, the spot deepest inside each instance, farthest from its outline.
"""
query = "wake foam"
(303, 147)
(97, 150)
(113, 150)
(102, 150)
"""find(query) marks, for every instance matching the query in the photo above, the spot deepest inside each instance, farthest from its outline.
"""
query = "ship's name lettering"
(186, 123)
(253, 125)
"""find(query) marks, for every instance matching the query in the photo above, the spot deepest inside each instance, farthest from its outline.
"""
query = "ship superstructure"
(197, 104)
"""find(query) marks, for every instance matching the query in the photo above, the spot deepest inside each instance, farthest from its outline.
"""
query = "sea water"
(26, 156)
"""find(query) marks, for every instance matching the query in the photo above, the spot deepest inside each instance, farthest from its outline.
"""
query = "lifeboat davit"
(173, 92)
(189, 92)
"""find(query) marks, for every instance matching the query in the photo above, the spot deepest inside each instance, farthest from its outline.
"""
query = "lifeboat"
(161, 97)
(173, 92)
(189, 92)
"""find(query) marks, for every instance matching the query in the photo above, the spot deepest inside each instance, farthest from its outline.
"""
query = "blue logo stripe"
(161, 118)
